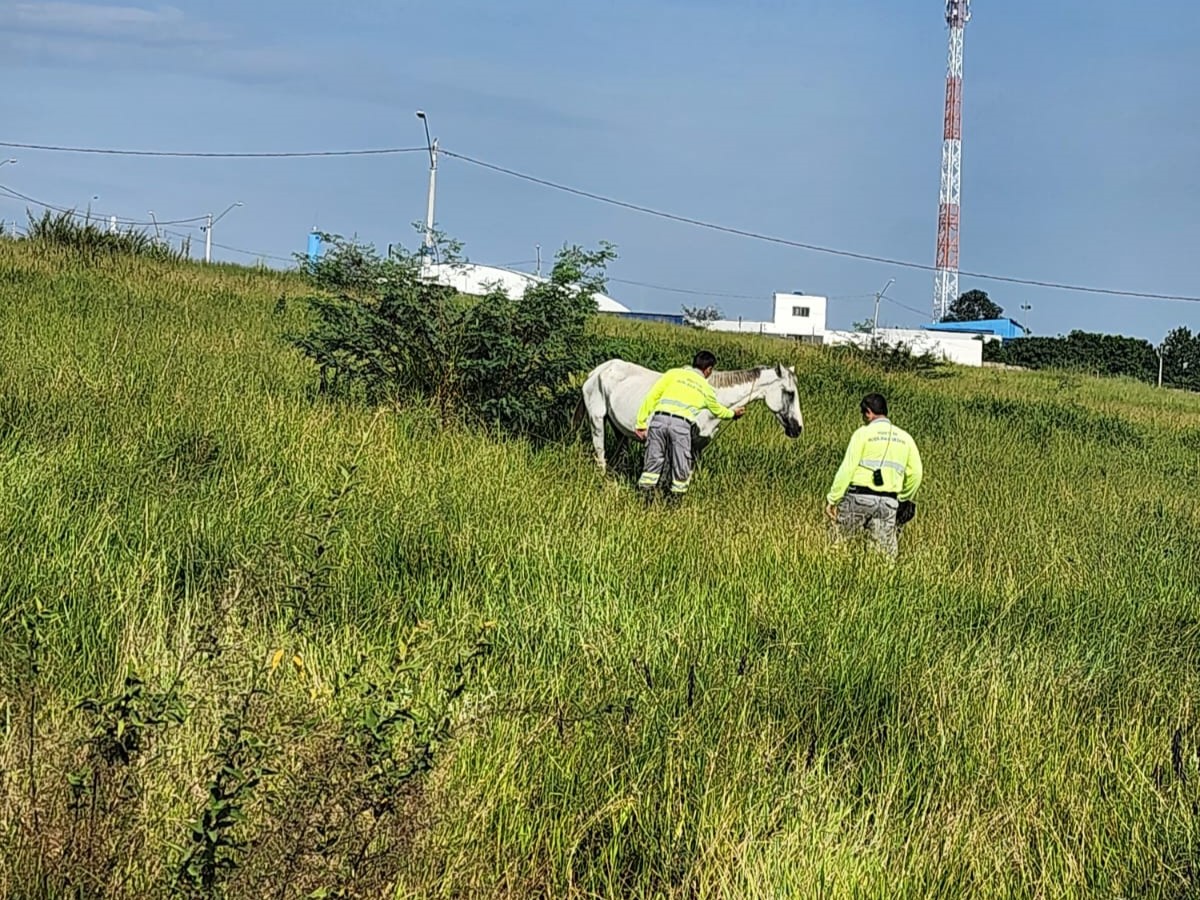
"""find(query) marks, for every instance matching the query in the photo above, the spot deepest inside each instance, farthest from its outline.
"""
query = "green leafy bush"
(494, 360)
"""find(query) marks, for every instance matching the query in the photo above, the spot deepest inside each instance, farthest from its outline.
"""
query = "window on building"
(800, 311)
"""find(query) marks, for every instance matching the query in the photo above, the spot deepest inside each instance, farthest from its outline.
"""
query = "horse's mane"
(734, 377)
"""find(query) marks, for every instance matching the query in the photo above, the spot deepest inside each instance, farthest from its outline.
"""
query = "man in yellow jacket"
(666, 417)
(880, 471)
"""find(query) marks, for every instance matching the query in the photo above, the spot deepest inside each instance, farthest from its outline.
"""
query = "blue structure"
(1005, 329)
(668, 318)
(314, 246)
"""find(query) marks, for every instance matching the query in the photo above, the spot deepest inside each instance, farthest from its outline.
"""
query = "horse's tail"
(580, 412)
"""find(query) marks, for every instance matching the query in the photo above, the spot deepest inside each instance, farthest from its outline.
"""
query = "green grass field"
(389, 660)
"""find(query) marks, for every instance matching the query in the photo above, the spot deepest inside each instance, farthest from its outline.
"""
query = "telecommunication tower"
(945, 283)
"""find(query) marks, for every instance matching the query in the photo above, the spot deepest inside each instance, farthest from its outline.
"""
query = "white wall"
(469, 278)
(963, 349)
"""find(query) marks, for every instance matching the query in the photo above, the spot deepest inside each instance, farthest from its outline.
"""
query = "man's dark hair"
(875, 403)
(703, 360)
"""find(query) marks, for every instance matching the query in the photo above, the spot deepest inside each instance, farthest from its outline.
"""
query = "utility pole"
(538, 248)
(157, 233)
(1159, 351)
(432, 146)
(878, 297)
(208, 226)
(1025, 307)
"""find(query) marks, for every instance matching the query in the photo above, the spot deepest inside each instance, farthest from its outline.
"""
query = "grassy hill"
(258, 643)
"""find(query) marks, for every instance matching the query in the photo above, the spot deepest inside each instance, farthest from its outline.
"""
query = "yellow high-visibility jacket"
(683, 392)
(879, 445)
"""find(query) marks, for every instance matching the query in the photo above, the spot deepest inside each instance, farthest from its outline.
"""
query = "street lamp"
(5, 162)
(878, 296)
(1026, 308)
(432, 146)
(208, 230)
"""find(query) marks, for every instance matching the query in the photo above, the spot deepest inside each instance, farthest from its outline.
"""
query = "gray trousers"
(668, 440)
(876, 515)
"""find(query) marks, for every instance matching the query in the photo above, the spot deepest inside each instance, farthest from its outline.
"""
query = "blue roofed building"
(1005, 329)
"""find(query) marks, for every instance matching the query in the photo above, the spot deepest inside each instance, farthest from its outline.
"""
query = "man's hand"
(739, 412)
(640, 434)
(831, 512)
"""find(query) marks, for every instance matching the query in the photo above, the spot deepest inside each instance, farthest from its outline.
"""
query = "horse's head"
(781, 395)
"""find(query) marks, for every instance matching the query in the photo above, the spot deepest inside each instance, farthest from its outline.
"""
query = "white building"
(964, 349)
(795, 316)
(470, 278)
(803, 317)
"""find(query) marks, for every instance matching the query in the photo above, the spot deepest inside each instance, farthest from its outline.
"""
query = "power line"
(741, 232)
(920, 312)
(677, 290)
(644, 284)
(110, 151)
(4, 189)
(233, 249)
(687, 220)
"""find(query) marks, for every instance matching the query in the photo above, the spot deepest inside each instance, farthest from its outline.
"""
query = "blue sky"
(816, 121)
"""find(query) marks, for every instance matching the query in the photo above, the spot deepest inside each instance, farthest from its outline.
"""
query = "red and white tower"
(945, 283)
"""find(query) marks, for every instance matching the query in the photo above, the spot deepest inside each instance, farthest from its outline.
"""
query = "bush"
(494, 360)
(89, 238)
(1098, 354)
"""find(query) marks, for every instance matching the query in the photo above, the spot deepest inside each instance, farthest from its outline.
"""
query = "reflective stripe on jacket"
(683, 392)
(881, 446)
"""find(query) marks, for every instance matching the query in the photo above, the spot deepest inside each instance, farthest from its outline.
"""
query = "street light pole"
(208, 226)
(5, 162)
(1159, 351)
(1026, 307)
(878, 296)
(432, 145)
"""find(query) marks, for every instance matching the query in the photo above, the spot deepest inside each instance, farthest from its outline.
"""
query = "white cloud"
(157, 25)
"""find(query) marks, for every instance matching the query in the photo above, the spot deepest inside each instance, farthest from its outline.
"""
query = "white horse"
(614, 390)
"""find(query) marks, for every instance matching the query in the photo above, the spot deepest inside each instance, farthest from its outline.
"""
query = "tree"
(379, 325)
(700, 316)
(1180, 351)
(973, 306)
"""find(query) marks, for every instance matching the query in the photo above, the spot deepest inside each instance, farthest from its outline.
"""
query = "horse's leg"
(594, 403)
(597, 423)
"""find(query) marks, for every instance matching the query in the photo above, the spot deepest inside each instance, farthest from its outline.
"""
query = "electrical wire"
(176, 234)
(4, 189)
(635, 207)
(678, 290)
(110, 151)
(816, 248)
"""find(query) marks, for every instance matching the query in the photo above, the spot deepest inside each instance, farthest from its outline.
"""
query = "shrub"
(89, 238)
(494, 360)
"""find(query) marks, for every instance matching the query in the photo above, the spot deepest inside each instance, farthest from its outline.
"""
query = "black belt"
(856, 489)
(673, 416)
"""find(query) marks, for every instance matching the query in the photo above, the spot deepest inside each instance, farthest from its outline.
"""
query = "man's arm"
(649, 402)
(841, 481)
(713, 405)
(913, 472)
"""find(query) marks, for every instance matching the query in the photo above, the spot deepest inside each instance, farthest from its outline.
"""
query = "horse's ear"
(778, 370)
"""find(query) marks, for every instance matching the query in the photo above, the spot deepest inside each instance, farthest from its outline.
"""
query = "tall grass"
(442, 664)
